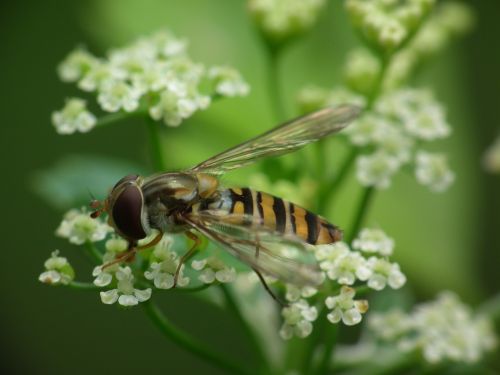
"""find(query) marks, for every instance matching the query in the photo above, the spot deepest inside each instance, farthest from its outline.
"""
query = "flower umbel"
(78, 227)
(442, 330)
(153, 74)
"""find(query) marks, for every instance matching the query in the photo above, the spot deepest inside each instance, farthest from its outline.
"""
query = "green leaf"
(72, 180)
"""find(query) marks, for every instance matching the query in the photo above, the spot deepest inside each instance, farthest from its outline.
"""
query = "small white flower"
(390, 325)
(393, 141)
(374, 241)
(362, 131)
(280, 19)
(104, 277)
(433, 171)
(116, 95)
(346, 269)
(491, 158)
(125, 293)
(383, 273)
(376, 169)
(428, 123)
(297, 320)
(361, 70)
(78, 227)
(294, 293)
(164, 265)
(177, 103)
(345, 308)
(214, 269)
(74, 117)
(100, 75)
(328, 254)
(392, 34)
(57, 270)
(228, 81)
(76, 65)
(386, 24)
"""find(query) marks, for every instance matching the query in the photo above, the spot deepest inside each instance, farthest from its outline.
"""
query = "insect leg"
(266, 287)
(188, 255)
(126, 256)
(152, 243)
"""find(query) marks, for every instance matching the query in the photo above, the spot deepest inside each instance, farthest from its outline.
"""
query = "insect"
(256, 227)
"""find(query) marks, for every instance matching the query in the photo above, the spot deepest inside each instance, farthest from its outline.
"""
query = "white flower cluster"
(400, 120)
(387, 24)
(57, 270)
(125, 292)
(491, 158)
(281, 19)
(345, 266)
(213, 269)
(163, 265)
(345, 308)
(297, 319)
(74, 117)
(443, 330)
(153, 73)
(78, 227)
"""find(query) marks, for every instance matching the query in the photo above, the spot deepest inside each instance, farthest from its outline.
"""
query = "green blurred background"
(448, 241)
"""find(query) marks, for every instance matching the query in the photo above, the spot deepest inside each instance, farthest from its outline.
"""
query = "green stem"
(330, 341)
(233, 307)
(156, 144)
(366, 198)
(328, 192)
(118, 117)
(79, 285)
(189, 343)
(274, 81)
(93, 252)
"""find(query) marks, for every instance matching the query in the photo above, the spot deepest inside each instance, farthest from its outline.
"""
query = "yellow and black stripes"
(279, 215)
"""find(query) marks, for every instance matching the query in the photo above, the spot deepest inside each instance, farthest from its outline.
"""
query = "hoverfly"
(253, 226)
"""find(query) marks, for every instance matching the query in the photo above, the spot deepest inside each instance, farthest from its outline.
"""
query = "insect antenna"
(96, 205)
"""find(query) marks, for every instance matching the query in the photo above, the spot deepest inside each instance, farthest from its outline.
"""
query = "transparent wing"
(285, 138)
(271, 253)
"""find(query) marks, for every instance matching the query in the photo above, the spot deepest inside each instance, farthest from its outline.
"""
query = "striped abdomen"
(279, 215)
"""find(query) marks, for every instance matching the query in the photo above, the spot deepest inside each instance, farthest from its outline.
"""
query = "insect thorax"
(170, 195)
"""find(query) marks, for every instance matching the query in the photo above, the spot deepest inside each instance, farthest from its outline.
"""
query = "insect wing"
(266, 251)
(283, 139)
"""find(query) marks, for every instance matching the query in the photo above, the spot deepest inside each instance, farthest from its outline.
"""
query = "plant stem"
(261, 358)
(189, 343)
(79, 285)
(156, 144)
(92, 252)
(273, 80)
(330, 341)
(328, 191)
(117, 117)
(366, 198)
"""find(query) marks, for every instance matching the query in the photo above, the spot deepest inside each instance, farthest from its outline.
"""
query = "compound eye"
(127, 213)
(130, 177)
